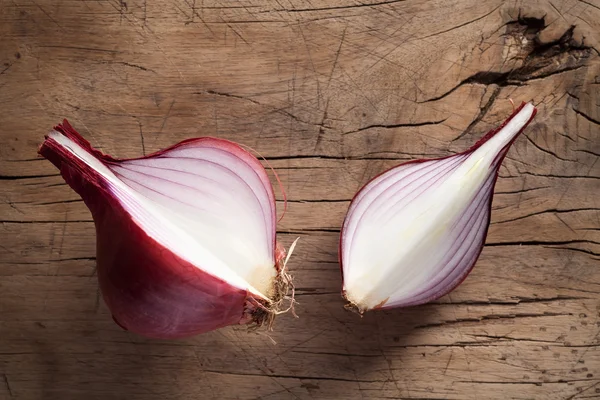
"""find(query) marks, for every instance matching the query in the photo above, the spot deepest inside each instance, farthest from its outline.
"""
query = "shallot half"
(185, 236)
(413, 233)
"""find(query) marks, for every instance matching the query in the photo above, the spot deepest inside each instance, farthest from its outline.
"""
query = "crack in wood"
(583, 390)
(588, 152)
(298, 377)
(491, 317)
(544, 212)
(281, 111)
(482, 113)
(15, 177)
(538, 243)
(587, 117)
(10, 393)
(334, 353)
(463, 24)
(551, 175)
(59, 202)
(506, 338)
(574, 249)
(509, 302)
(129, 65)
(539, 383)
(543, 61)
(546, 150)
(519, 191)
(331, 8)
(80, 48)
(394, 126)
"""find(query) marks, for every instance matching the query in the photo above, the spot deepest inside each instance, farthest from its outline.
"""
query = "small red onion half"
(185, 236)
(413, 233)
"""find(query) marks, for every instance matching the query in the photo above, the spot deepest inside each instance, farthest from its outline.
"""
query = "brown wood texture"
(332, 93)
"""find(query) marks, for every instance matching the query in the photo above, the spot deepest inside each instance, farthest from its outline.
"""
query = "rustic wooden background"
(332, 93)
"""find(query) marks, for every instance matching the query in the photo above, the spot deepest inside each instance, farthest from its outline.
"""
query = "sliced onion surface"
(413, 233)
(185, 236)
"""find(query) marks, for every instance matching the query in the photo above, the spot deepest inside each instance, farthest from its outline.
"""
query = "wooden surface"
(332, 93)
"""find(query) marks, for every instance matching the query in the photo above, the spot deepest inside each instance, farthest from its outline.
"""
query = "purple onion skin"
(447, 287)
(148, 289)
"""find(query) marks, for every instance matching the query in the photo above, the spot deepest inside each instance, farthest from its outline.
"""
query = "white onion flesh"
(206, 205)
(413, 233)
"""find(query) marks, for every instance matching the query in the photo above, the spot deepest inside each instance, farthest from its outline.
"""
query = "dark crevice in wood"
(271, 108)
(523, 190)
(59, 202)
(223, 94)
(128, 65)
(335, 354)
(401, 156)
(508, 302)
(544, 59)
(411, 397)
(461, 25)
(307, 230)
(578, 393)
(305, 156)
(305, 294)
(26, 263)
(501, 79)
(539, 243)
(301, 377)
(86, 276)
(80, 48)
(344, 7)
(393, 126)
(588, 152)
(587, 117)
(27, 159)
(590, 4)
(529, 383)
(300, 167)
(16, 177)
(574, 249)
(10, 393)
(325, 262)
(482, 112)
(54, 184)
(461, 344)
(491, 317)
(501, 338)
(566, 136)
(318, 201)
(6, 68)
(48, 222)
(544, 212)
(550, 175)
(546, 150)
(75, 259)
(12, 205)
(142, 137)
(341, 158)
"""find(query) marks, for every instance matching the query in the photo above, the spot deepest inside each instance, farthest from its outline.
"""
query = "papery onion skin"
(148, 289)
(442, 287)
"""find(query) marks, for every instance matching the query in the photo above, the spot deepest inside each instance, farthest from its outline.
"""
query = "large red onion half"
(185, 236)
(413, 233)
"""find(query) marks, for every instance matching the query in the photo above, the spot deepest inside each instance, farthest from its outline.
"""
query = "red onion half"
(185, 236)
(413, 233)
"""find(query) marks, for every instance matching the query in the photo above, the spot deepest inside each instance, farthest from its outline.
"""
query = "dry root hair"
(263, 313)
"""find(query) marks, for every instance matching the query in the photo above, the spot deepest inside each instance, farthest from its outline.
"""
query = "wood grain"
(331, 93)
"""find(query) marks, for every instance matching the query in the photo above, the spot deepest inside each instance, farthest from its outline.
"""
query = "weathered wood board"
(332, 93)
